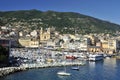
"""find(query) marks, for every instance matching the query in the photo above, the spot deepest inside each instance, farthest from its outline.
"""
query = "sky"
(107, 10)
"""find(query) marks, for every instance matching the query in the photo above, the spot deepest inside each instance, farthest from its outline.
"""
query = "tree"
(4, 54)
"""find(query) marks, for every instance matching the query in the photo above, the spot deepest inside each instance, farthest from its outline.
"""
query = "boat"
(96, 57)
(71, 57)
(75, 68)
(63, 73)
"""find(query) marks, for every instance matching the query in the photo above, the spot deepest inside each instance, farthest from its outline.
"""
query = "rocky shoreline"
(9, 70)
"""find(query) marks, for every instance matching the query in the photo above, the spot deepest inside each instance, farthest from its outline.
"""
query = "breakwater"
(9, 70)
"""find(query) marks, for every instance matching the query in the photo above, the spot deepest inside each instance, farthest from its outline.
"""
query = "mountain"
(65, 22)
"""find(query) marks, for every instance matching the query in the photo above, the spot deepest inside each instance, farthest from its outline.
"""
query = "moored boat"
(71, 57)
(63, 73)
(96, 57)
(75, 68)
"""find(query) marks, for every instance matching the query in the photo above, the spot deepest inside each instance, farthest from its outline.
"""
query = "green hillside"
(65, 22)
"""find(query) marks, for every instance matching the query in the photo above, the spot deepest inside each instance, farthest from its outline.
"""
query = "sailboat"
(75, 67)
(63, 73)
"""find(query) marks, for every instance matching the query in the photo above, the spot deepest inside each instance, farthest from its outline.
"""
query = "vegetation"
(4, 54)
(65, 22)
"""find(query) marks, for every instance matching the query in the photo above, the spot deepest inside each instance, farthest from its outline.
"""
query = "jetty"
(9, 70)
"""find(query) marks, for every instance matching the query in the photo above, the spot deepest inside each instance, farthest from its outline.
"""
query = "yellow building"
(94, 48)
(104, 44)
(28, 42)
(109, 46)
(24, 42)
(93, 39)
(34, 42)
(44, 35)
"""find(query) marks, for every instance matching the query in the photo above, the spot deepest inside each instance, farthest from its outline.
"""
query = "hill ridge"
(65, 22)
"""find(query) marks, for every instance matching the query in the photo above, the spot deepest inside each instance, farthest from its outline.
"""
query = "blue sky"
(103, 9)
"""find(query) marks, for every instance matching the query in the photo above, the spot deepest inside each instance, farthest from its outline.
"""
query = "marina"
(33, 58)
(24, 59)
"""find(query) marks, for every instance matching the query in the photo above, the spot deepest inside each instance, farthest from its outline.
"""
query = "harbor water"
(108, 69)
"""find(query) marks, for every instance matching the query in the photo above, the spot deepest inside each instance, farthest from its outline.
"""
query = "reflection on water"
(110, 69)
(92, 64)
(63, 77)
(110, 62)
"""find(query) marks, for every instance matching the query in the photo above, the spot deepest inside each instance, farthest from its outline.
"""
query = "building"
(45, 35)
(84, 43)
(94, 49)
(110, 46)
(27, 42)
(94, 40)
(33, 41)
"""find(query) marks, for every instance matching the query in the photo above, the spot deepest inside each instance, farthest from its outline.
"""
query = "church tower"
(44, 35)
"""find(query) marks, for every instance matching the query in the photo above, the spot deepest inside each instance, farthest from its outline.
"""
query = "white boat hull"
(62, 73)
(96, 57)
(75, 68)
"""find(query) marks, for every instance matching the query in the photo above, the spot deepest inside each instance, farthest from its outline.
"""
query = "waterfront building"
(94, 49)
(110, 46)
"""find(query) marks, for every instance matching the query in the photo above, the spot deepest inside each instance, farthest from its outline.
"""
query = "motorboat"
(75, 68)
(96, 57)
(63, 73)
(70, 57)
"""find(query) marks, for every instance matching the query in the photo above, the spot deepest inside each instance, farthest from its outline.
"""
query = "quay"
(8, 70)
